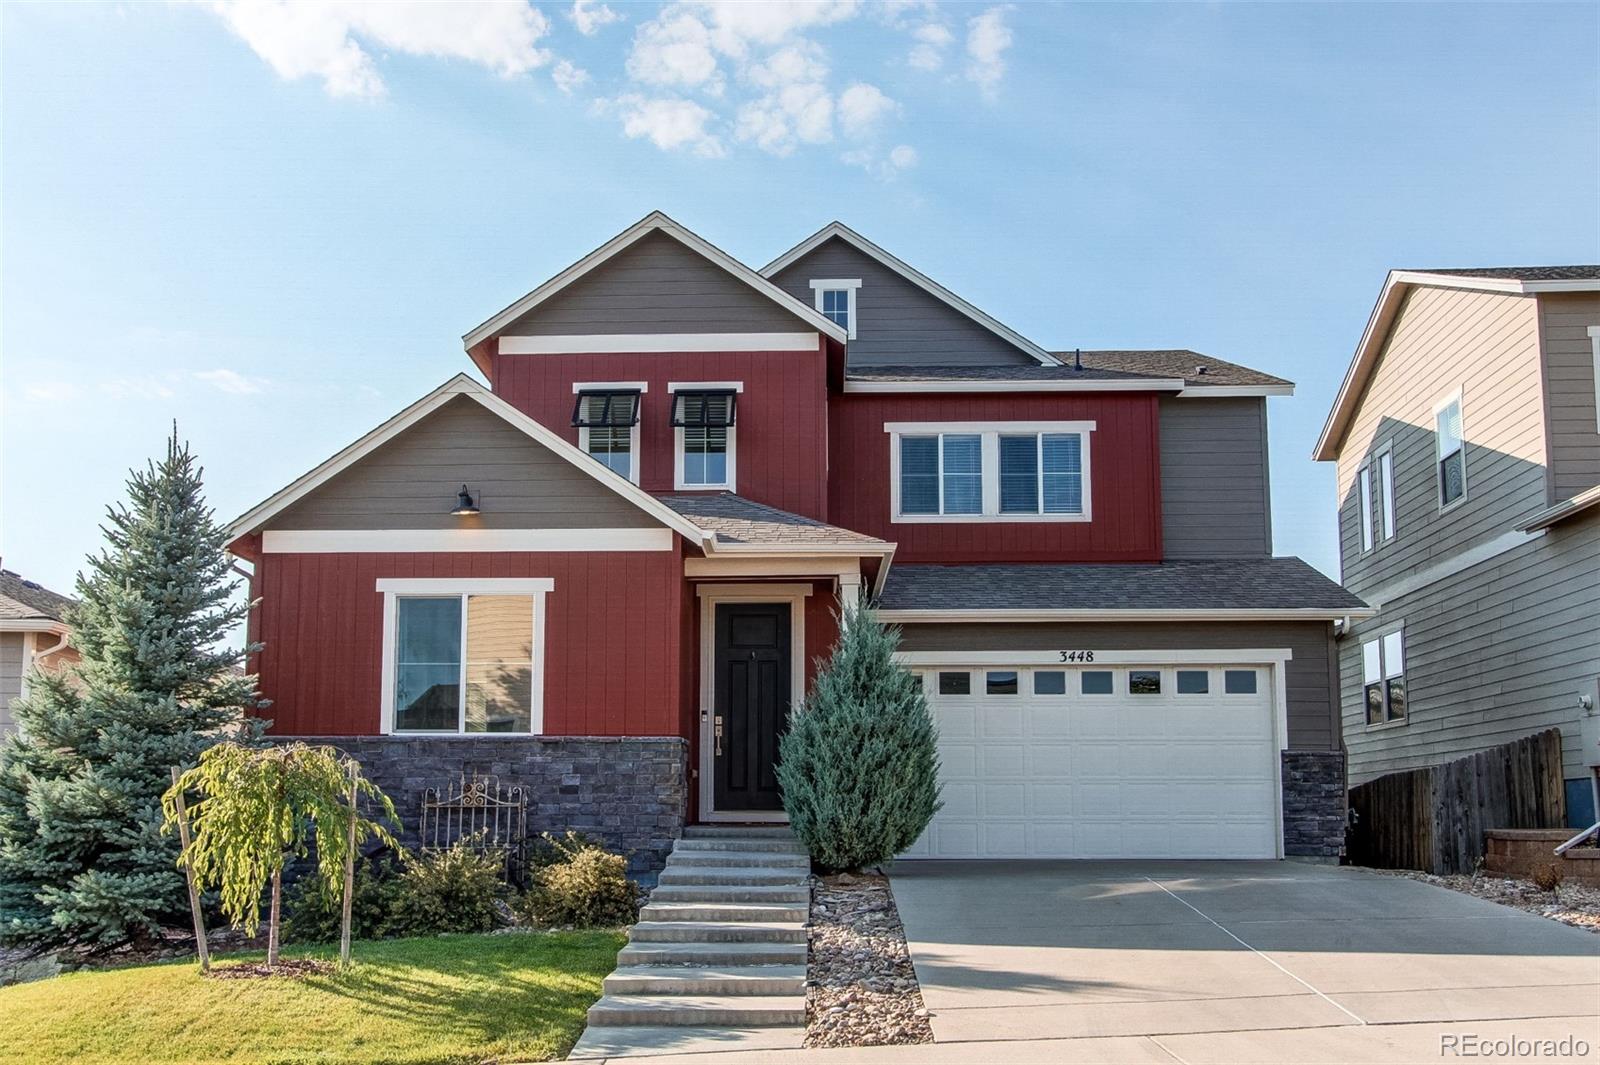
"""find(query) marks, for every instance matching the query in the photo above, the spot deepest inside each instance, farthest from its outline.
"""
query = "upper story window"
(1004, 472)
(836, 300)
(1376, 488)
(607, 419)
(1383, 668)
(1452, 452)
(703, 418)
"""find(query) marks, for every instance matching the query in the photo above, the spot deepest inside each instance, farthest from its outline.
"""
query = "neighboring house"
(609, 575)
(1468, 463)
(33, 631)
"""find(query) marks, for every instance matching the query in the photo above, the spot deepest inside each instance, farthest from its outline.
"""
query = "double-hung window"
(463, 656)
(607, 420)
(836, 300)
(980, 472)
(1452, 452)
(1377, 515)
(703, 421)
(1383, 673)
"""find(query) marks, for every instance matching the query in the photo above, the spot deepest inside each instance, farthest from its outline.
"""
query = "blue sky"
(273, 223)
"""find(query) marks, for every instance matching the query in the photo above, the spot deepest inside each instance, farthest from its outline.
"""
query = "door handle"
(718, 728)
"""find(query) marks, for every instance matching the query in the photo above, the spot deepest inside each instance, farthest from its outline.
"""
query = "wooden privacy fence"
(1434, 818)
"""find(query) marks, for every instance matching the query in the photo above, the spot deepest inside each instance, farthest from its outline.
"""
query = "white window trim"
(1384, 459)
(1384, 677)
(635, 459)
(1438, 456)
(678, 483)
(990, 433)
(392, 588)
(847, 285)
(1594, 342)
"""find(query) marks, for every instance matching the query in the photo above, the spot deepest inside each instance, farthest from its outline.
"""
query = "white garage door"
(1155, 761)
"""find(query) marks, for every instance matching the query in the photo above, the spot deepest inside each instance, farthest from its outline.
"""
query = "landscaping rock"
(861, 989)
(1574, 904)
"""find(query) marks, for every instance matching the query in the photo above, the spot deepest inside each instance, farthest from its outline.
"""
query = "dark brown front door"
(752, 703)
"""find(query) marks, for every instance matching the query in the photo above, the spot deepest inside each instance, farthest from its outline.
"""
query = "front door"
(751, 704)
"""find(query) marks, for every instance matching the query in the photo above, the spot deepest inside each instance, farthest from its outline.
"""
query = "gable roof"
(1511, 280)
(654, 222)
(462, 385)
(1168, 370)
(739, 523)
(916, 277)
(28, 605)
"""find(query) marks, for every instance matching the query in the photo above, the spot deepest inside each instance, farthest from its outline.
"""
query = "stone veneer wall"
(1313, 805)
(629, 791)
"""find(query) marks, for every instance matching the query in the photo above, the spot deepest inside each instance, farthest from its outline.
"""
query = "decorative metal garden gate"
(491, 817)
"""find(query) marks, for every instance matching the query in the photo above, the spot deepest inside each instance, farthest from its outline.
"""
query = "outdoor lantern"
(464, 503)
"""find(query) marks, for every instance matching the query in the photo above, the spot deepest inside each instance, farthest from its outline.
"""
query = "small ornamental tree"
(82, 857)
(259, 807)
(859, 766)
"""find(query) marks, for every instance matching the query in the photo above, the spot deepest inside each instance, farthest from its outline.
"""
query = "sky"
(272, 222)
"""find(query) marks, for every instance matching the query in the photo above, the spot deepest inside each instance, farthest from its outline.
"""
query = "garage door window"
(1193, 681)
(1095, 682)
(955, 684)
(1000, 682)
(1049, 682)
(1239, 682)
(1144, 682)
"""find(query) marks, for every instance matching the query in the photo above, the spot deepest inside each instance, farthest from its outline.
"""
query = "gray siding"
(1494, 653)
(657, 286)
(1312, 672)
(1214, 477)
(1569, 370)
(411, 483)
(1485, 344)
(10, 675)
(897, 323)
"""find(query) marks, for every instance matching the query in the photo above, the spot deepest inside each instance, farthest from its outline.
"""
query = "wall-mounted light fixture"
(464, 503)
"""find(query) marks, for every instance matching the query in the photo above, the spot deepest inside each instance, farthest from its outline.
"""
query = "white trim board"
(1222, 657)
(1151, 384)
(849, 286)
(462, 385)
(916, 277)
(1074, 614)
(1460, 562)
(580, 387)
(333, 541)
(653, 343)
(653, 222)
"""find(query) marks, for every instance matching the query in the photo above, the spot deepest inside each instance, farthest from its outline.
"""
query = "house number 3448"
(1077, 656)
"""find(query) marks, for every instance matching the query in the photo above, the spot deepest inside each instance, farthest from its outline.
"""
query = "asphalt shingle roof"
(1523, 273)
(25, 600)
(1204, 584)
(1097, 366)
(734, 519)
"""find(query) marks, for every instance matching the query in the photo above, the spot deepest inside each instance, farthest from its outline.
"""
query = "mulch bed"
(860, 987)
(1574, 904)
(288, 968)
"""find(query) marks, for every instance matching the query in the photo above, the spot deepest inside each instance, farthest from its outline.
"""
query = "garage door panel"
(1111, 776)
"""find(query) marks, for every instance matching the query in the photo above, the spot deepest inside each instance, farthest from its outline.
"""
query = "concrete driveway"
(1230, 962)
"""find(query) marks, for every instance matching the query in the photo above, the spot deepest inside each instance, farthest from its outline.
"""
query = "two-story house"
(1469, 482)
(608, 575)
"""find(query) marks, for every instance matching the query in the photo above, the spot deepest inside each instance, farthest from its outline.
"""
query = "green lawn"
(445, 999)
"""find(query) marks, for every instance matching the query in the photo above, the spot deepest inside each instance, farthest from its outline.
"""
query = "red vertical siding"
(611, 653)
(782, 413)
(1124, 478)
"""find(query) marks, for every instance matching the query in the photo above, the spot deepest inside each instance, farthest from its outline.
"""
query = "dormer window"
(703, 418)
(836, 300)
(607, 420)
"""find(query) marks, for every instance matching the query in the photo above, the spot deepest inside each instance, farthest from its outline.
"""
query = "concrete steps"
(721, 945)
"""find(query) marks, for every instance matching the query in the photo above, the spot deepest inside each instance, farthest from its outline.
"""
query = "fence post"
(349, 875)
(201, 946)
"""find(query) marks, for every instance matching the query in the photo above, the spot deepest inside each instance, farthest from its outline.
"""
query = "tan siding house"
(33, 633)
(1468, 456)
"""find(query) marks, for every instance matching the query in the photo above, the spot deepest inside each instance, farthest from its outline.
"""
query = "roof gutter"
(1568, 508)
(1130, 614)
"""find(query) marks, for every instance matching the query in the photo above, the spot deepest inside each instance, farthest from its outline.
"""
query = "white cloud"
(328, 40)
(568, 77)
(862, 108)
(50, 392)
(933, 40)
(988, 38)
(669, 124)
(136, 388)
(796, 106)
(674, 49)
(591, 17)
(235, 384)
(883, 167)
(903, 157)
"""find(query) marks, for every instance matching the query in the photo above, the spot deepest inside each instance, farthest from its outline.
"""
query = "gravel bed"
(1574, 904)
(860, 987)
